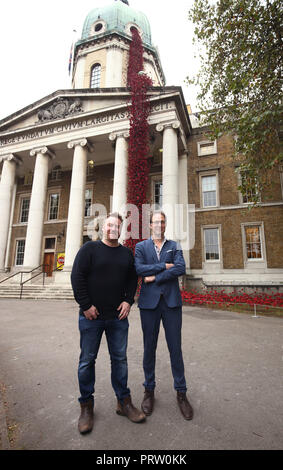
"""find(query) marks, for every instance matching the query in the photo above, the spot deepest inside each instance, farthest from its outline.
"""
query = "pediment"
(61, 105)
(68, 110)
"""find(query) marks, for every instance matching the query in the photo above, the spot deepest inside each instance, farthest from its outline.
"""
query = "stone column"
(76, 202)
(33, 246)
(114, 66)
(6, 191)
(120, 170)
(170, 177)
(183, 201)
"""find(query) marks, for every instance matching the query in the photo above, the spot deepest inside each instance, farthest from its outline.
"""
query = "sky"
(36, 38)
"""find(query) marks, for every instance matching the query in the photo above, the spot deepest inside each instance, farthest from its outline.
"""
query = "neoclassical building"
(69, 151)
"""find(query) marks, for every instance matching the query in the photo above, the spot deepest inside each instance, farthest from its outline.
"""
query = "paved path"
(233, 367)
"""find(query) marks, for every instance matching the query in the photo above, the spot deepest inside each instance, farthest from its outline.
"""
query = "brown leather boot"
(127, 409)
(148, 402)
(184, 405)
(85, 423)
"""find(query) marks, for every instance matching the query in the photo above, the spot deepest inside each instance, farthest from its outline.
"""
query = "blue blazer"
(166, 280)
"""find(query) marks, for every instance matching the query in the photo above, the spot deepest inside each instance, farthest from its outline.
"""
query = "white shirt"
(158, 250)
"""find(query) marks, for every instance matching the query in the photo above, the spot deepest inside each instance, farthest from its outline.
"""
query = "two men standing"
(104, 281)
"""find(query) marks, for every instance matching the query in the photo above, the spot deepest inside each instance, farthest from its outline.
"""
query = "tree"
(240, 78)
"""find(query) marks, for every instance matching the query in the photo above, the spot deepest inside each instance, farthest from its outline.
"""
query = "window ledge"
(210, 168)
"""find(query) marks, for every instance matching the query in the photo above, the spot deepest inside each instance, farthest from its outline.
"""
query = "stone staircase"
(33, 291)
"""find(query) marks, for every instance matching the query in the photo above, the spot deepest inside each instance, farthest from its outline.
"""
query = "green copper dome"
(115, 17)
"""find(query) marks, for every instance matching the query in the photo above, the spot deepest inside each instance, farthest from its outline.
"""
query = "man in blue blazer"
(160, 263)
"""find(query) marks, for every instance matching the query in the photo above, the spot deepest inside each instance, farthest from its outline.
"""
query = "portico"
(100, 136)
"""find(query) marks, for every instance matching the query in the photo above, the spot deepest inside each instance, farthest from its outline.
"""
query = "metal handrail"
(38, 274)
(15, 274)
(21, 273)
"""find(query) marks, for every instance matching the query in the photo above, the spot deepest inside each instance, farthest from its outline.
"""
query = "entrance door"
(49, 263)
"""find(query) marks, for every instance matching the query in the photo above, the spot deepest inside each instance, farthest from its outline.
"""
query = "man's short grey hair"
(116, 215)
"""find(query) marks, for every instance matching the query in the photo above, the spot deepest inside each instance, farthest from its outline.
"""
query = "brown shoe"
(184, 405)
(148, 402)
(85, 423)
(127, 409)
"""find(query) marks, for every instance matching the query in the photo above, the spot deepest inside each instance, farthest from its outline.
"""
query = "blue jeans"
(116, 332)
(172, 324)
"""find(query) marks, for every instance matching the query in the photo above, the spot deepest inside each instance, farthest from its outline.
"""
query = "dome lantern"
(101, 54)
(117, 16)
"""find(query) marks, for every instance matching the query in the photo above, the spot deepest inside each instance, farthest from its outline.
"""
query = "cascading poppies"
(222, 298)
(139, 110)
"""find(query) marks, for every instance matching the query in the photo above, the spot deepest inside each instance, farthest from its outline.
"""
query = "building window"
(249, 187)
(28, 179)
(56, 173)
(24, 210)
(253, 240)
(130, 27)
(209, 190)
(158, 193)
(211, 244)
(50, 243)
(90, 168)
(53, 206)
(20, 251)
(157, 157)
(98, 27)
(207, 147)
(88, 202)
(95, 76)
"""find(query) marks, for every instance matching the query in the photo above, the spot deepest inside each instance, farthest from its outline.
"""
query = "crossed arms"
(159, 272)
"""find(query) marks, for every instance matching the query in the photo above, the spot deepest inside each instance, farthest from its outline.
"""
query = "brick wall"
(231, 219)
(232, 242)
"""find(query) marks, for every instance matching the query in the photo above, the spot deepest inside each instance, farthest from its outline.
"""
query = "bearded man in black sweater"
(104, 282)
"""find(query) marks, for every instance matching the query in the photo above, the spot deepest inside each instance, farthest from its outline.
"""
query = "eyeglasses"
(159, 222)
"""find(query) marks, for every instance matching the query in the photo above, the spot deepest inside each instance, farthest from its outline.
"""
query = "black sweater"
(104, 277)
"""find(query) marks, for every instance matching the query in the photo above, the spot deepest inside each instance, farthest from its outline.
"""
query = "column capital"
(173, 125)
(82, 143)
(44, 151)
(11, 158)
(115, 135)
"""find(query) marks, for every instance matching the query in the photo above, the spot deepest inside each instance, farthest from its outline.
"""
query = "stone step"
(51, 288)
(42, 289)
(12, 291)
(34, 297)
(43, 297)
(32, 286)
